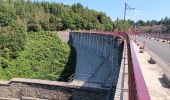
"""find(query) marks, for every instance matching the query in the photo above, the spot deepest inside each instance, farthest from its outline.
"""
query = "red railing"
(165, 36)
(136, 81)
(137, 86)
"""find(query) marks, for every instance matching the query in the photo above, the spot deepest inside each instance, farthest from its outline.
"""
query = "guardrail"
(136, 82)
(165, 36)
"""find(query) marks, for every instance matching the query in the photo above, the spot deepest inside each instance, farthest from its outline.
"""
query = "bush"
(45, 57)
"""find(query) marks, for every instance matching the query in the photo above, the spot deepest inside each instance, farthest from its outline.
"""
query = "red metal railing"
(165, 36)
(136, 82)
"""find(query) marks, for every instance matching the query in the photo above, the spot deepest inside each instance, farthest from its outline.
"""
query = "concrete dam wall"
(98, 58)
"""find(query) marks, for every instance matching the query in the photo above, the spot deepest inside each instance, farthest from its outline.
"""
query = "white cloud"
(136, 11)
(136, 15)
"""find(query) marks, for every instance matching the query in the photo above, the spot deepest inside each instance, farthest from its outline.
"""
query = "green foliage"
(45, 57)
(151, 23)
(123, 25)
(12, 41)
(140, 23)
(38, 16)
(29, 50)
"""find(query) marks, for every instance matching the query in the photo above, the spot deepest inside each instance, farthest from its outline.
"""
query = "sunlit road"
(161, 49)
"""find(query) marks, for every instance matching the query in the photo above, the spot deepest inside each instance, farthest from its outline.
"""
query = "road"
(161, 49)
(160, 52)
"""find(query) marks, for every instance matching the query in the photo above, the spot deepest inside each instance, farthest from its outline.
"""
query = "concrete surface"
(32, 89)
(152, 73)
(159, 51)
(97, 58)
(159, 48)
(122, 84)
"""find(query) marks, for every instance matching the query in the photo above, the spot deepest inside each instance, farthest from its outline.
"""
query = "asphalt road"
(161, 49)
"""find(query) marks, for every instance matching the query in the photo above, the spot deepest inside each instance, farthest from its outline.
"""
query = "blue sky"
(144, 9)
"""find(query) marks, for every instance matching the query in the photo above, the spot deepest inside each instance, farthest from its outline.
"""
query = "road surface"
(161, 49)
(160, 52)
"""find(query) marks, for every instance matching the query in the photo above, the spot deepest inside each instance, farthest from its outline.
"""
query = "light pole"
(127, 7)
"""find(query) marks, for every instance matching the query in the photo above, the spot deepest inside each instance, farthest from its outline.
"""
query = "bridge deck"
(152, 73)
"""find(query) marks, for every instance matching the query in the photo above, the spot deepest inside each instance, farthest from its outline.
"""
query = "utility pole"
(127, 7)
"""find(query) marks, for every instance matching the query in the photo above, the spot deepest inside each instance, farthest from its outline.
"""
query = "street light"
(127, 7)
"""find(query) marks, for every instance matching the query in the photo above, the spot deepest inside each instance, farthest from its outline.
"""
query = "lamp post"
(127, 7)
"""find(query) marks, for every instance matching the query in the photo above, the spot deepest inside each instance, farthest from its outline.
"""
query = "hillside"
(29, 47)
(45, 56)
(35, 16)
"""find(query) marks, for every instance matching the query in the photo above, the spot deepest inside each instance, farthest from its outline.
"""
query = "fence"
(136, 82)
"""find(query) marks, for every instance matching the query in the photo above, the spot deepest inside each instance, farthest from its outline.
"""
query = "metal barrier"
(136, 83)
(165, 36)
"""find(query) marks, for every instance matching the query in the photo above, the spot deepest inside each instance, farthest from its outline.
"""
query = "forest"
(149, 25)
(35, 16)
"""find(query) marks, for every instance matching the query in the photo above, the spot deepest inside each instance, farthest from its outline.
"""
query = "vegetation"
(151, 23)
(52, 16)
(29, 47)
(45, 56)
(123, 25)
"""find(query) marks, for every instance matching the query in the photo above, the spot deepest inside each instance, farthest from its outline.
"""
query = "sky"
(144, 9)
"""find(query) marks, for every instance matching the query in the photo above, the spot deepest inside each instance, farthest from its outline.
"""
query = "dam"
(98, 58)
(98, 62)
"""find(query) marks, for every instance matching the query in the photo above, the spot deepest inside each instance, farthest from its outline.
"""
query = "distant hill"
(162, 25)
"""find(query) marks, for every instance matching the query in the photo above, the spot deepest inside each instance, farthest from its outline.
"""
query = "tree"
(140, 23)
(123, 25)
